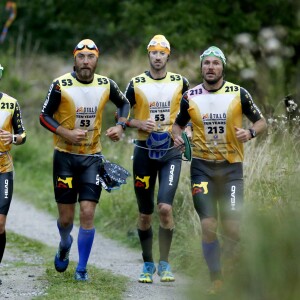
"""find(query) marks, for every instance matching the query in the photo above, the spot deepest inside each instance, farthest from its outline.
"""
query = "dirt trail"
(107, 254)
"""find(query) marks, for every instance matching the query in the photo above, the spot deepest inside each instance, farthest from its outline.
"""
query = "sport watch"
(123, 124)
(252, 133)
(14, 139)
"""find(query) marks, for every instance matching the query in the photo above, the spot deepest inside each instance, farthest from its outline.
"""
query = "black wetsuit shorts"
(217, 184)
(146, 171)
(76, 177)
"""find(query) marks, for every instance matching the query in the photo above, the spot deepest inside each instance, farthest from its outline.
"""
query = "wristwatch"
(14, 139)
(252, 133)
(123, 124)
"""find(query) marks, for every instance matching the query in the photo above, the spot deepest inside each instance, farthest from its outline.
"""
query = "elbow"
(41, 119)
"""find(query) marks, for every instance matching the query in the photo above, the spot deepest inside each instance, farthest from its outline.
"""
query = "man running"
(155, 98)
(12, 132)
(215, 109)
(73, 112)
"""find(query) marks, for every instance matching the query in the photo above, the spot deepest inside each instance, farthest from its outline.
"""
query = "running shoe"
(61, 259)
(164, 271)
(147, 273)
(216, 287)
(81, 275)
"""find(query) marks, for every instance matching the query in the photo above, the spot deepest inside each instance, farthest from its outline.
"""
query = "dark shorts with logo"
(146, 171)
(217, 184)
(76, 177)
(6, 191)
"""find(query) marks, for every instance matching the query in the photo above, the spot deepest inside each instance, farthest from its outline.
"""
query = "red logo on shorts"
(64, 183)
(200, 188)
(142, 182)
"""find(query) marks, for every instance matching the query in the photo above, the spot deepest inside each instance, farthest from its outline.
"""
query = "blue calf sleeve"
(85, 242)
(211, 252)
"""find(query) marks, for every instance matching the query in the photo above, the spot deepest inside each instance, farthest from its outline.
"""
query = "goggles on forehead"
(90, 46)
(162, 44)
(216, 53)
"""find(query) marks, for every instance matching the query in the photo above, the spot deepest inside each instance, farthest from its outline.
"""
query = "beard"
(85, 74)
(213, 81)
(158, 68)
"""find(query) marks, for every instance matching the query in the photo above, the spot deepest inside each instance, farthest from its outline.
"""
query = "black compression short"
(146, 171)
(76, 176)
(217, 183)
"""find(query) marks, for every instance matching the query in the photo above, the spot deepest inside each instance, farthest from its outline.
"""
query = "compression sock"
(2, 244)
(211, 253)
(165, 239)
(85, 242)
(65, 238)
(146, 238)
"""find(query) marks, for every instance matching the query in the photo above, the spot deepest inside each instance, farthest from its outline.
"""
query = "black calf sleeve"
(146, 239)
(2, 244)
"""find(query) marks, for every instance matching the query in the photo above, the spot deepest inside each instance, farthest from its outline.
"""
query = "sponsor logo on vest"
(160, 104)
(83, 109)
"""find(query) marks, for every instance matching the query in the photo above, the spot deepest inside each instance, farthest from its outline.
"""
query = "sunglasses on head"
(162, 43)
(216, 53)
(81, 46)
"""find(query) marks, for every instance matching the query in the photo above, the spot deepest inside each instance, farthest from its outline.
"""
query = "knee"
(165, 215)
(164, 209)
(209, 229)
(2, 228)
(2, 223)
(64, 223)
(144, 221)
(232, 230)
(87, 214)
(66, 214)
(87, 218)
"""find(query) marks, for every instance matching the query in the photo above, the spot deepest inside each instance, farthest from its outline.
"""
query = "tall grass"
(269, 267)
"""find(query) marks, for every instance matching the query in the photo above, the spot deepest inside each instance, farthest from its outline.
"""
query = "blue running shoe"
(164, 271)
(216, 287)
(147, 273)
(61, 259)
(81, 275)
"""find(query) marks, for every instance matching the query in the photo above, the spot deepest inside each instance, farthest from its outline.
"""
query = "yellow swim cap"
(86, 45)
(159, 43)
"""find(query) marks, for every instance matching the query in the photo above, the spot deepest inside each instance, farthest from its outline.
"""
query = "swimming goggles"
(81, 46)
(216, 53)
(162, 43)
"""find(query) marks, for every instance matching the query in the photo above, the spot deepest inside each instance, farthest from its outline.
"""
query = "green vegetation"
(56, 286)
(269, 267)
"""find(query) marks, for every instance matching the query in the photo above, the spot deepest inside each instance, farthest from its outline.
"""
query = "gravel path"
(106, 254)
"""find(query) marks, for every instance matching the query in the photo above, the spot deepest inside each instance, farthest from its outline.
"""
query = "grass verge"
(24, 252)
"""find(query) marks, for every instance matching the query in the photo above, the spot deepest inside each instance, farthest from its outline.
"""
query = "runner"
(12, 132)
(73, 112)
(215, 108)
(155, 97)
